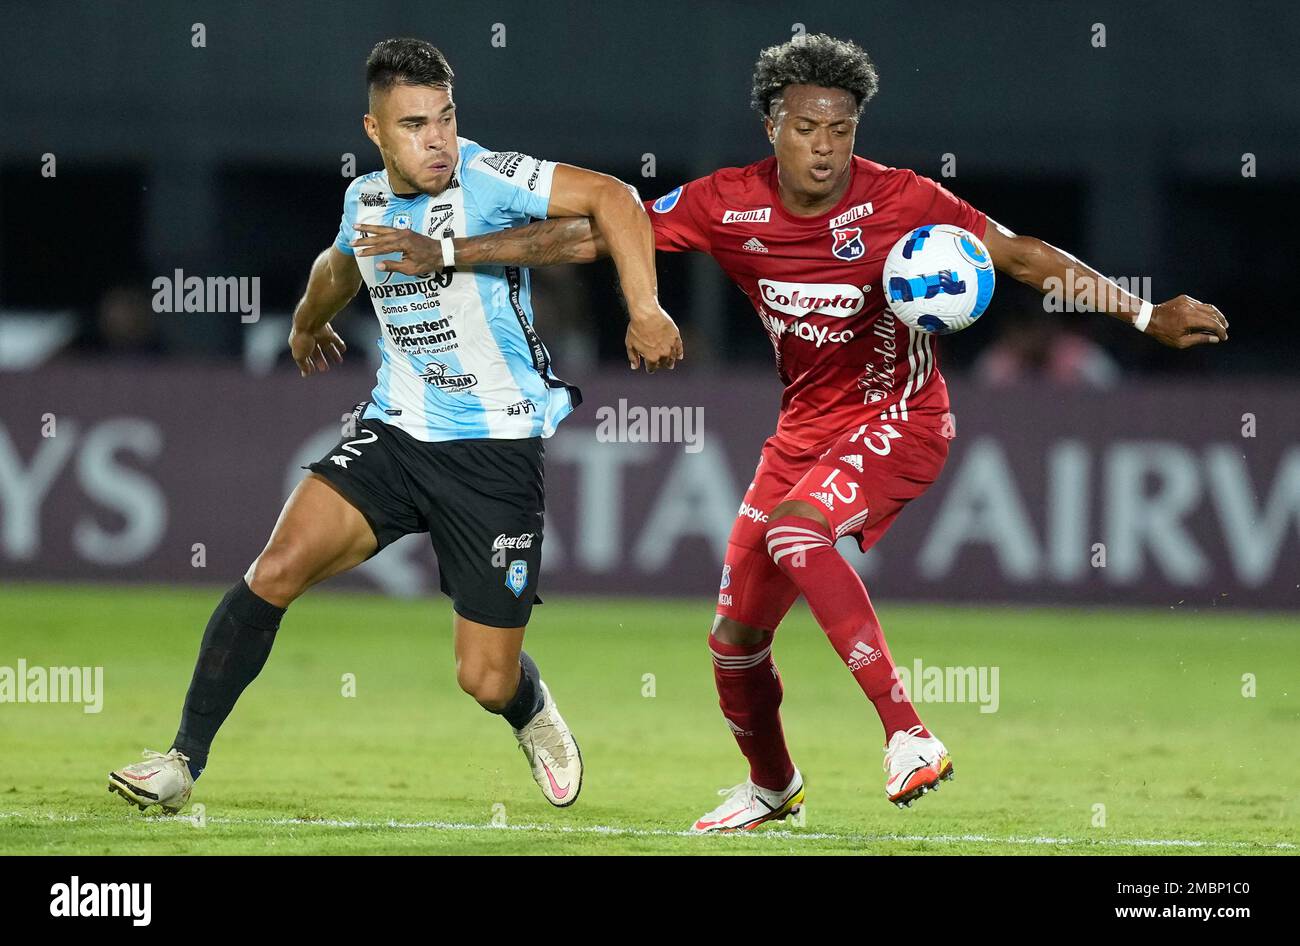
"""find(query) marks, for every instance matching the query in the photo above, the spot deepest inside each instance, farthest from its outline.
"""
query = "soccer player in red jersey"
(864, 424)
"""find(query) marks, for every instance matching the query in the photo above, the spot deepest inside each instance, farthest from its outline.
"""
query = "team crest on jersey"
(402, 221)
(847, 243)
(517, 576)
(668, 201)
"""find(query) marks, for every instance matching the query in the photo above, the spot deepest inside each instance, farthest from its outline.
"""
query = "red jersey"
(815, 283)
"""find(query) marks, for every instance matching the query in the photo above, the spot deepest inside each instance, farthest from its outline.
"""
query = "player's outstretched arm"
(544, 243)
(550, 242)
(1182, 322)
(616, 211)
(333, 281)
(590, 215)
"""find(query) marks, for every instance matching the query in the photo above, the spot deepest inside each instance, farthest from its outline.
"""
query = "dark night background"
(226, 159)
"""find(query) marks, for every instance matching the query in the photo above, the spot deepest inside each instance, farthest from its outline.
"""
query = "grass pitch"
(1140, 712)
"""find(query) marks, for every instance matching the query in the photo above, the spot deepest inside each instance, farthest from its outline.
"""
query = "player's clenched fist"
(420, 254)
(313, 351)
(1183, 322)
(653, 336)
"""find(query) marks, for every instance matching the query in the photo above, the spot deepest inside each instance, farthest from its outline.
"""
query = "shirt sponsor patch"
(441, 376)
(758, 215)
(438, 216)
(505, 163)
(853, 213)
(797, 298)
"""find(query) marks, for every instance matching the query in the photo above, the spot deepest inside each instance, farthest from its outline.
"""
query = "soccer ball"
(939, 278)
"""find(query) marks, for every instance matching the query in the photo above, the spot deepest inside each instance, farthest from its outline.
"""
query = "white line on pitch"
(664, 833)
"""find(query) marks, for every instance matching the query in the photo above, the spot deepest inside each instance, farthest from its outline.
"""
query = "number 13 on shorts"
(877, 441)
(870, 471)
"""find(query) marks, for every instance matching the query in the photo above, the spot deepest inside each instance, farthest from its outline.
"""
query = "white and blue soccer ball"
(939, 278)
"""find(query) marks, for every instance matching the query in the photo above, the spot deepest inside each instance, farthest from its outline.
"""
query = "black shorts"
(481, 501)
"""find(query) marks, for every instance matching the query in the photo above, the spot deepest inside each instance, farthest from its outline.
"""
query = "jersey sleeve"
(509, 187)
(347, 226)
(937, 204)
(681, 217)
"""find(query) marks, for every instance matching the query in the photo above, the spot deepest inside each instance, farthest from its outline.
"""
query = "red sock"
(805, 551)
(749, 692)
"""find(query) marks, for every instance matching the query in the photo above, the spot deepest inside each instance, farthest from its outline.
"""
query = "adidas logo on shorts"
(854, 461)
(826, 499)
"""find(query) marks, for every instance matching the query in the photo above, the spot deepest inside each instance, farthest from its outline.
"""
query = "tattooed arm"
(652, 336)
(545, 243)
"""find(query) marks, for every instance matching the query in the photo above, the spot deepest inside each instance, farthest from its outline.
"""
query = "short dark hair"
(814, 59)
(406, 62)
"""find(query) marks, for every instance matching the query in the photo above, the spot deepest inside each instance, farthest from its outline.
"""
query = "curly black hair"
(406, 62)
(814, 59)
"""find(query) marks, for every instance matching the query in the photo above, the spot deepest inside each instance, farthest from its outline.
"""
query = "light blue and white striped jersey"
(461, 358)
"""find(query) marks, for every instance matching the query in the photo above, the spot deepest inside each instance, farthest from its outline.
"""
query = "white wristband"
(448, 253)
(1143, 317)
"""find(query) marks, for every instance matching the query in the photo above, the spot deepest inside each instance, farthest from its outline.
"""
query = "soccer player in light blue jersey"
(450, 441)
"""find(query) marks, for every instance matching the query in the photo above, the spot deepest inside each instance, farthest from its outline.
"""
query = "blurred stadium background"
(1091, 467)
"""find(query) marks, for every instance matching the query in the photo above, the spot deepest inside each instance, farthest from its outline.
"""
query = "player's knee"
(278, 576)
(491, 687)
(787, 512)
(733, 632)
(788, 538)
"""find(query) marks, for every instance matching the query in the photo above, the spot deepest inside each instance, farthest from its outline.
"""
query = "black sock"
(235, 647)
(528, 699)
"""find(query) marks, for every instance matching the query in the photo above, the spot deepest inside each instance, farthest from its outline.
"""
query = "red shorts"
(858, 479)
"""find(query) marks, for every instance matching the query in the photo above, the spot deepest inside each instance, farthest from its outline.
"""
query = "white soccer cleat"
(915, 765)
(748, 806)
(553, 753)
(161, 779)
